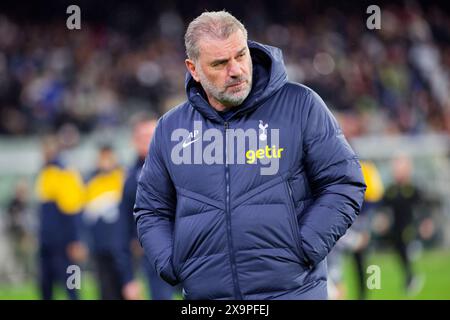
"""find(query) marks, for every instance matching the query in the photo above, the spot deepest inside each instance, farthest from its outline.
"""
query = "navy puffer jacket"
(223, 228)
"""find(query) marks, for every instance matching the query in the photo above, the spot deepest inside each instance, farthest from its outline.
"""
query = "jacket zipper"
(237, 292)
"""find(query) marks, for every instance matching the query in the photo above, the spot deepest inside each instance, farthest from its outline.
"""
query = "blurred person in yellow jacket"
(60, 194)
(357, 238)
(109, 243)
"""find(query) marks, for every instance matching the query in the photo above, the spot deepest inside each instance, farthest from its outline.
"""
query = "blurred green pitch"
(434, 265)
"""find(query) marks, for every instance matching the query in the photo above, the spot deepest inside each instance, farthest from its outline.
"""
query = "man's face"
(106, 160)
(50, 149)
(402, 167)
(224, 69)
(142, 135)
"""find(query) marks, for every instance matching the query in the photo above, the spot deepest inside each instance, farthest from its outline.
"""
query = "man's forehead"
(214, 48)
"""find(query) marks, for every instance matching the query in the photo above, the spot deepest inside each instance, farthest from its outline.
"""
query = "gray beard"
(227, 99)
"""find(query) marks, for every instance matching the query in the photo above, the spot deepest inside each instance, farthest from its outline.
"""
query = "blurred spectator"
(403, 196)
(372, 198)
(143, 127)
(60, 194)
(107, 229)
(357, 238)
(18, 227)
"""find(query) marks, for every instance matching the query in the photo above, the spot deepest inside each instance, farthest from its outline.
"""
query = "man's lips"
(237, 84)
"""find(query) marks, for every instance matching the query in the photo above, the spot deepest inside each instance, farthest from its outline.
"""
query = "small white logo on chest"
(263, 130)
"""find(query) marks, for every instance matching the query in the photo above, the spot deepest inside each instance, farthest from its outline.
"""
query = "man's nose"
(235, 69)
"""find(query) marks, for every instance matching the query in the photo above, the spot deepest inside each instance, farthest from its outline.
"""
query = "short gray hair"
(216, 24)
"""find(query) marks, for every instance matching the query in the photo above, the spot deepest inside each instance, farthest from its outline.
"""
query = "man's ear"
(190, 65)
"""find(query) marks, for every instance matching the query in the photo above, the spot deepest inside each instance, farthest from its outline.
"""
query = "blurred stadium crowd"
(393, 80)
(130, 57)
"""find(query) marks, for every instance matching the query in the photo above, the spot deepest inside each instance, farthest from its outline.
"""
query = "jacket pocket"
(293, 215)
(169, 275)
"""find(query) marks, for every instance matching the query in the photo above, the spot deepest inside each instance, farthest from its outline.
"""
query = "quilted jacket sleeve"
(335, 177)
(154, 210)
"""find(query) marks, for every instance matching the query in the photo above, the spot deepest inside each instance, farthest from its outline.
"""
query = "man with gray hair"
(226, 230)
